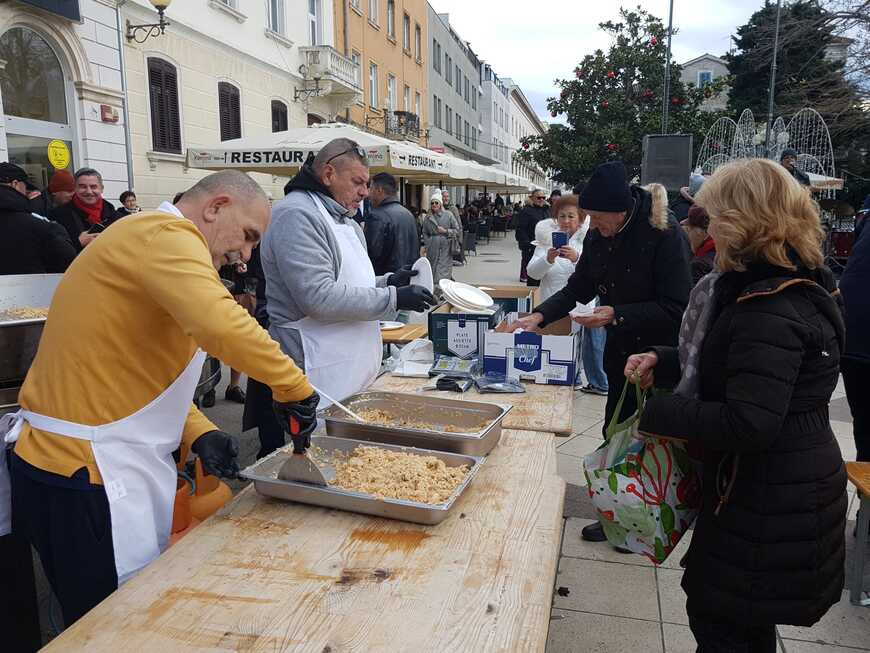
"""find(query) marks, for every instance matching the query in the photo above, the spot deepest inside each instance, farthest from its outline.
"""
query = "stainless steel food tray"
(25, 291)
(264, 474)
(435, 410)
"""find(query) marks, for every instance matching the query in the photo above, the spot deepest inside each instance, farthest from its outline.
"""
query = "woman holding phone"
(559, 244)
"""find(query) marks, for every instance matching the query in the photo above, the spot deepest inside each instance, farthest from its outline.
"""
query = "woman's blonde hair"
(658, 216)
(757, 211)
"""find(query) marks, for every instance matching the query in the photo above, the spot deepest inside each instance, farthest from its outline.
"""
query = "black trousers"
(526, 256)
(260, 414)
(855, 377)
(72, 532)
(714, 635)
(19, 609)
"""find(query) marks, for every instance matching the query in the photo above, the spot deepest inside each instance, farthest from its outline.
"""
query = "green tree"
(805, 77)
(614, 100)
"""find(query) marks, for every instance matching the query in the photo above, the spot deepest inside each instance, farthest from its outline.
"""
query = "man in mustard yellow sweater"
(108, 397)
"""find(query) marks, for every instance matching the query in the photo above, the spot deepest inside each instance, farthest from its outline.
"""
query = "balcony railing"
(402, 123)
(327, 64)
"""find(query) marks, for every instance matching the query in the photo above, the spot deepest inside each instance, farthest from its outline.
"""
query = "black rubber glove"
(304, 414)
(219, 453)
(402, 277)
(414, 298)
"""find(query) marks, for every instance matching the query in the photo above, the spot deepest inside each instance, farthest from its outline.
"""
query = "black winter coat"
(775, 552)
(75, 222)
(642, 272)
(31, 244)
(392, 238)
(526, 221)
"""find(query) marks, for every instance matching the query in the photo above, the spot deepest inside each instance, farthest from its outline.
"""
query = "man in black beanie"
(635, 259)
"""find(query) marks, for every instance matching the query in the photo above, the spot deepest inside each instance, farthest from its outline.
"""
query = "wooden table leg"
(857, 595)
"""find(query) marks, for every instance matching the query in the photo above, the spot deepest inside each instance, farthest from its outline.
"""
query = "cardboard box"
(546, 359)
(460, 334)
(513, 299)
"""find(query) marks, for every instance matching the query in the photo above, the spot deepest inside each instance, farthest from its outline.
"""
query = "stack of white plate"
(466, 298)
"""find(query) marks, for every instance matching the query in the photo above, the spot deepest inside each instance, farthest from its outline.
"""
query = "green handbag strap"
(614, 420)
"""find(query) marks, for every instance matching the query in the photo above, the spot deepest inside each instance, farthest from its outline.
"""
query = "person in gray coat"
(322, 295)
(390, 229)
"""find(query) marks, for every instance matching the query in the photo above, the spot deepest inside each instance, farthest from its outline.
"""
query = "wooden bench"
(859, 474)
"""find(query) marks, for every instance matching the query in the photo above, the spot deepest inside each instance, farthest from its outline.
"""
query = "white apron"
(134, 456)
(342, 358)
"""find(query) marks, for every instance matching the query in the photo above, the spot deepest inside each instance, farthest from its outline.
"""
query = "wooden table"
(546, 408)
(404, 335)
(267, 575)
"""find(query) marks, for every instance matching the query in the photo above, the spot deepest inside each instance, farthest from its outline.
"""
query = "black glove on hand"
(305, 414)
(401, 277)
(218, 452)
(414, 298)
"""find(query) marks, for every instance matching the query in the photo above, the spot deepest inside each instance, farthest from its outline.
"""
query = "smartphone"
(96, 228)
(560, 239)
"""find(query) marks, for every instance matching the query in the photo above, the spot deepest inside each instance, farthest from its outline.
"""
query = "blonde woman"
(758, 360)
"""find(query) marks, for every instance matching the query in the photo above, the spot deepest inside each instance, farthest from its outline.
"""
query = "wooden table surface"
(267, 575)
(404, 335)
(546, 408)
(859, 474)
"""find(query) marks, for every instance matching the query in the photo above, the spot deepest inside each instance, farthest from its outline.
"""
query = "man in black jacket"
(526, 222)
(788, 159)
(390, 229)
(31, 244)
(88, 213)
(635, 258)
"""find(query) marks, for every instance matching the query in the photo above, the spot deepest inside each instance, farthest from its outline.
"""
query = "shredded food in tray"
(397, 475)
(25, 313)
(383, 418)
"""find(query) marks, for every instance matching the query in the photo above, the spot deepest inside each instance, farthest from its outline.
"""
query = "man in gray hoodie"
(322, 295)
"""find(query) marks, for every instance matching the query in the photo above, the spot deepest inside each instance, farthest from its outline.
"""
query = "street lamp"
(141, 33)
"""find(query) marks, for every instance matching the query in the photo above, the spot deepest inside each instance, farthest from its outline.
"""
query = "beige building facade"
(227, 69)
(387, 40)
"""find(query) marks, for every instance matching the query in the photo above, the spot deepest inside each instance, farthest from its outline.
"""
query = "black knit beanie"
(607, 190)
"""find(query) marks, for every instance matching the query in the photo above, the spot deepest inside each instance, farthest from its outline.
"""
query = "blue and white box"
(545, 359)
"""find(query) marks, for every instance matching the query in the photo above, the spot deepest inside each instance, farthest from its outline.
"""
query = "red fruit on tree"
(605, 104)
(611, 74)
(675, 101)
(612, 147)
(654, 41)
(525, 146)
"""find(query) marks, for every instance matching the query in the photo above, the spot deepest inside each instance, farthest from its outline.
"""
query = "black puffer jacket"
(768, 366)
(75, 221)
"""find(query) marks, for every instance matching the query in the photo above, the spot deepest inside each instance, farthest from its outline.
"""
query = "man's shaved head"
(337, 153)
(342, 167)
(231, 211)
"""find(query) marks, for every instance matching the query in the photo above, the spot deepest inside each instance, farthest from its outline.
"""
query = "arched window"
(33, 81)
(163, 94)
(229, 105)
(279, 116)
(36, 103)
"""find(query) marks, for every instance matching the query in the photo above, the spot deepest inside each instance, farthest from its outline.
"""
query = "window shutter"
(163, 96)
(230, 111)
(279, 116)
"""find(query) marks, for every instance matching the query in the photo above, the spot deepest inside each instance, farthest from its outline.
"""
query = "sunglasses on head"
(361, 153)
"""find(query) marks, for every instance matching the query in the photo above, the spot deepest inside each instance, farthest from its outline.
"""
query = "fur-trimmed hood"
(659, 211)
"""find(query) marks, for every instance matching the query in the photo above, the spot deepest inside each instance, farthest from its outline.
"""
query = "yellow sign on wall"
(58, 154)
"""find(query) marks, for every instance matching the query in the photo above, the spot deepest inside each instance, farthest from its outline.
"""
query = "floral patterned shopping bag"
(647, 491)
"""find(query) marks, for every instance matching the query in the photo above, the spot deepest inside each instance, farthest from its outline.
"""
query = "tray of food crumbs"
(415, 420)
(367, 478)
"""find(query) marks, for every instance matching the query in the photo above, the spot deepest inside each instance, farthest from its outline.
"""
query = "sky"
(536, 42)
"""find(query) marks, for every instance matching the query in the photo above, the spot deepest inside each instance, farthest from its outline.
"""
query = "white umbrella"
(283, 153)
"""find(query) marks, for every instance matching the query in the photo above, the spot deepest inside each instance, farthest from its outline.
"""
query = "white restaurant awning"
(283, 153)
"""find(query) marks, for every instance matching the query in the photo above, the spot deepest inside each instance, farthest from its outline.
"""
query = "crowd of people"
(721, 295)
